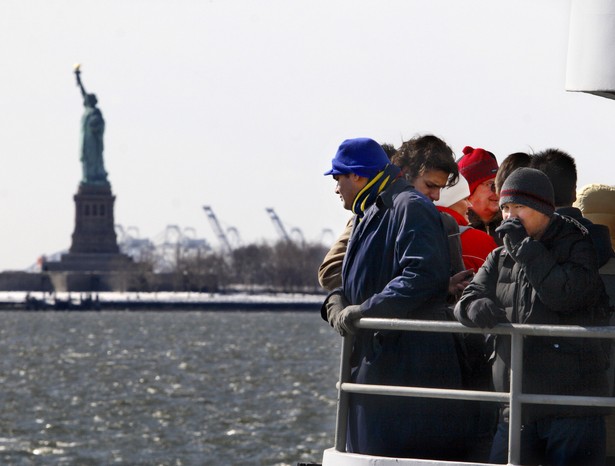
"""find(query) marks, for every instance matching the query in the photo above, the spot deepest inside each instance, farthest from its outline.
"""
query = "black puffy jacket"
(553, 281)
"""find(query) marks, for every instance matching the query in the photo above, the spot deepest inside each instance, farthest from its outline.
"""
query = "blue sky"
(241, 105)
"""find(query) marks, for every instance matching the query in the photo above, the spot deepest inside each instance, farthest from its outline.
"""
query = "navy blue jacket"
(397, 266)
(397, 259)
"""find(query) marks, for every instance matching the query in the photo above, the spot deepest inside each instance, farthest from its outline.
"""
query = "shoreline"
(159, 301)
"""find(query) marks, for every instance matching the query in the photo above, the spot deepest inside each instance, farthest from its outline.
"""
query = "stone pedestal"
(94, 223)
(94, 261)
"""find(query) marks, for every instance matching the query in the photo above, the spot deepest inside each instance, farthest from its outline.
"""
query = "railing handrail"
(515, 397)
(500, 329)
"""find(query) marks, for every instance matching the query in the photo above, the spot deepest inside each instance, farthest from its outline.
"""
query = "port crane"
(176, 243)
(277, 223)
(132, 244)
(215, 225)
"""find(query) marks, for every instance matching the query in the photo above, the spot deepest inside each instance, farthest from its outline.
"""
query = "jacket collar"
(383, 201)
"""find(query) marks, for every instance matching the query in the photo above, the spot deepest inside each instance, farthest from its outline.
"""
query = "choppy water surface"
(166, 388)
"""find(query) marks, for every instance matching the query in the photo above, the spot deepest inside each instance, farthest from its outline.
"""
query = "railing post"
(514, 426)
(342, 396)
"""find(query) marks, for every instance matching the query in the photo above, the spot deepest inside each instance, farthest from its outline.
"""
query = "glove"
(484, 313)
(513, 228)
(344, 321)
(334, 304)
(512, 232)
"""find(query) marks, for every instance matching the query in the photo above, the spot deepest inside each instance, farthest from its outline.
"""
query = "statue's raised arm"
(92, 131)
(79, 83)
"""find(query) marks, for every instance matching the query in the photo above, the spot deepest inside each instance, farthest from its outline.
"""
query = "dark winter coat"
(599, 234)
(397, 266)
(489, 228)
(553, 281)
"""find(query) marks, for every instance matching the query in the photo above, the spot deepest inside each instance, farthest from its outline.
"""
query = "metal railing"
(515, 397)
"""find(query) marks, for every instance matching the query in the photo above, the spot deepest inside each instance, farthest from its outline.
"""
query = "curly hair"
(425, 153)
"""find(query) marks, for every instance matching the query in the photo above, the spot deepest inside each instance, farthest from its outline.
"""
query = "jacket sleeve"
(420, 249)
(563, 287)
(483, 285)
(330, 271)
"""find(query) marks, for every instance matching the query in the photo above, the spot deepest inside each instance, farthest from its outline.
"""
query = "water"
(166, 388)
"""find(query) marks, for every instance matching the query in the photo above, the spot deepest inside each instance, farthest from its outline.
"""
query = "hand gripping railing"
(515, 397)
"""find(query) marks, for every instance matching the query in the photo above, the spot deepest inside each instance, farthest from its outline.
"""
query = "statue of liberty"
(92, 130)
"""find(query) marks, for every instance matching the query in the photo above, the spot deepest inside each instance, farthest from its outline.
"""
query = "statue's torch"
(77, 69)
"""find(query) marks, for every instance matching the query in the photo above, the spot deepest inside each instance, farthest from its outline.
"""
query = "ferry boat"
(590, 69)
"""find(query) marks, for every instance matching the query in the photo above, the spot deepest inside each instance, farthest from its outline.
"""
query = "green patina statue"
(92, 130)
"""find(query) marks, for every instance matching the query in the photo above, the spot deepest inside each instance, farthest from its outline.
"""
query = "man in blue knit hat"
(396, 266)
(355, 163)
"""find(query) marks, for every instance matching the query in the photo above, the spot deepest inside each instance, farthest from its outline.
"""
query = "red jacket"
(475, 244)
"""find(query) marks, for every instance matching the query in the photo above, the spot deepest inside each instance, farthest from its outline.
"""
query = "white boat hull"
(331, 457)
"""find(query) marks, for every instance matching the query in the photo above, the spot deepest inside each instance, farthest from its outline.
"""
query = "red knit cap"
(477, 165)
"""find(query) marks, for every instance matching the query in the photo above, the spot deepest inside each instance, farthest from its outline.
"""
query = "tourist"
(597, 203)
(546, 273)
(330, 271)
(475, 244)
(396, 266)
(428, 164)
(479, 167)
(561, 170)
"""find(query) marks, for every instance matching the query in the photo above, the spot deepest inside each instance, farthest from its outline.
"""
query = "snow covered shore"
(21, 300)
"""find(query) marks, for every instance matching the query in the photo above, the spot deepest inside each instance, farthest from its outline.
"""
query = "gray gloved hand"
(484, 313)
(344, 321)
(333, 306)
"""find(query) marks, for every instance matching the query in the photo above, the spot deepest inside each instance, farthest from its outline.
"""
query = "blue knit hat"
(361, 156)
(529, 187)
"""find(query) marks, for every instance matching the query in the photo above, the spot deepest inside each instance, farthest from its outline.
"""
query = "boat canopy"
(591, 48)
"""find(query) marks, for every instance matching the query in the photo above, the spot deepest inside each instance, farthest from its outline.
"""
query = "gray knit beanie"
(529, 187)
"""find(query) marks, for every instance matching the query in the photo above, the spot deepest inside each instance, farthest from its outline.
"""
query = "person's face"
(430, 182)
(348, 186)
(535, 222)
(461, 207)
(484, 200)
